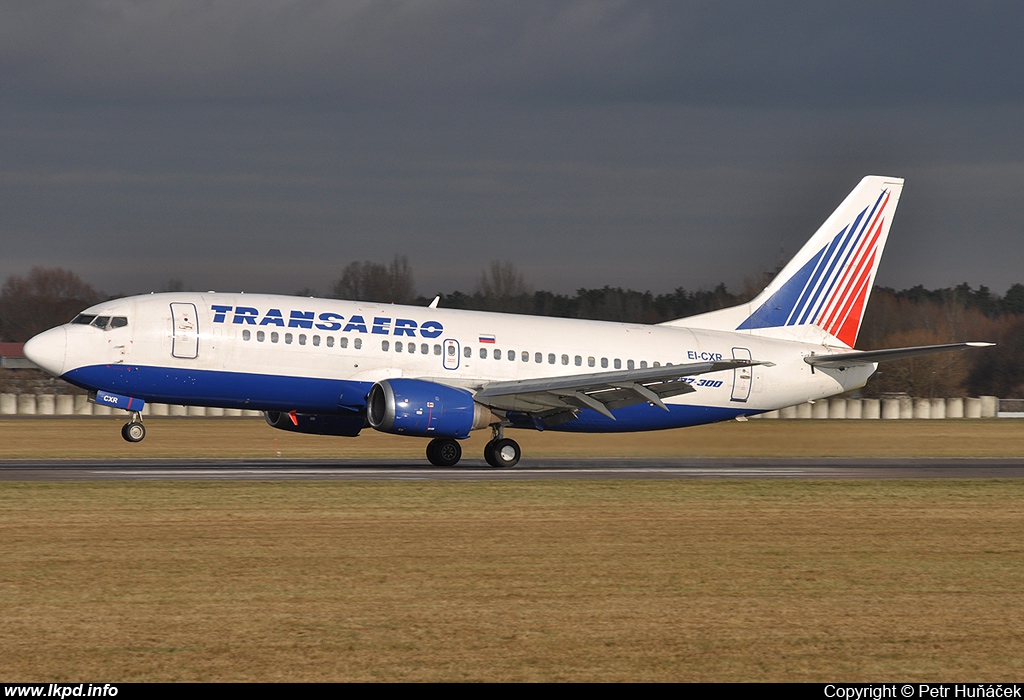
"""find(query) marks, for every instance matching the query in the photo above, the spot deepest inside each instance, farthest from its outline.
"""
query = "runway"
(398, 470)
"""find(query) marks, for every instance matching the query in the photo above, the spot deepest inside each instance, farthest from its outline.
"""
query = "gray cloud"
(263, 145)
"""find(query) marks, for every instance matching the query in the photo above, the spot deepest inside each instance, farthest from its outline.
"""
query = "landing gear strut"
(134, 430)
(501, 452)
(444, 452)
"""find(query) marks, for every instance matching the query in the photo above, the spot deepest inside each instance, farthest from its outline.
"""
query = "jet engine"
(425, 409)
(344, 425)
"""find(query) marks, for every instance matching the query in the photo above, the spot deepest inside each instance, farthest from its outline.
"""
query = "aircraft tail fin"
(820, 295)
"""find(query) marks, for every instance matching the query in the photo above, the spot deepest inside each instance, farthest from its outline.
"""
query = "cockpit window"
(105, 323)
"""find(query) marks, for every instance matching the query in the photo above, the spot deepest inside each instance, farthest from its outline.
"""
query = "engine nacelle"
(317, 423)
(425, 409)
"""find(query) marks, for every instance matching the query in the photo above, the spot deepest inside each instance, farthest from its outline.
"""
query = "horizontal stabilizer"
(867, 357)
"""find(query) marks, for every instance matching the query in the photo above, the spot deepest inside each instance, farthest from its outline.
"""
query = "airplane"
(333, 367)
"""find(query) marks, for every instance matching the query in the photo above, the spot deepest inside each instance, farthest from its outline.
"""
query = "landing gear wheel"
(133, 432)
(444, 452)
(502, 453)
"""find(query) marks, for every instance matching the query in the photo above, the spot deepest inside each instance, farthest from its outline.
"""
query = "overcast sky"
(262, 145)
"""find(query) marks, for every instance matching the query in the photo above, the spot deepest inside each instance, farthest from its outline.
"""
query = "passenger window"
(398, 346)
(343, 342)
(316, 341)
(468, 352)
(330, 341)
(412, 348)
(497, 354)
(591, 362)
(618, 363)
(273, 336)
(385, 345)
(302, 338)
(538, 357)
(288, 337)
(261, 336)
(629, 364)
(511, 355)
(451, 351)
(657, 364)
(551, 358)
(643, 364)
(604, 362)
(246, 335)
(483, 353)
(578, 360)
(525, 356)
(357, 343)
(565, 359)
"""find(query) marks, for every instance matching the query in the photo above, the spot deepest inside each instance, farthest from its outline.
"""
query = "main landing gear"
(500, 452)
(134, 430)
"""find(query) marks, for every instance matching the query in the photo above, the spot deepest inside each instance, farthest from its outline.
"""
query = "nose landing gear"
(134, 430)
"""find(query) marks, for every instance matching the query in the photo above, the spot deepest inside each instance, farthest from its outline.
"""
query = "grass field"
(100, 438)
(755, 580)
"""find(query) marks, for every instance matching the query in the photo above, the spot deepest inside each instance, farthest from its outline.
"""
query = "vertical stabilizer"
(820, 295)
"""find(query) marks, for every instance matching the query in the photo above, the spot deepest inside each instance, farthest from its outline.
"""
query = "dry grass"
(774, 580)
(567, 581)
(99, 438)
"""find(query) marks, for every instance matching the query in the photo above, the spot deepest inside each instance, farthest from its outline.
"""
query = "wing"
(865, 357)
(557, 399)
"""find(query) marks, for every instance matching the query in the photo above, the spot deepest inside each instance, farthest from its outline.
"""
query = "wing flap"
(602, 391)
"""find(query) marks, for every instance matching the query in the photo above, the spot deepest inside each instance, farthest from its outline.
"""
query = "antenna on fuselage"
(433, 304)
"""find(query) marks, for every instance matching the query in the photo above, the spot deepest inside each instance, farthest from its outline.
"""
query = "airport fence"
(905, 408)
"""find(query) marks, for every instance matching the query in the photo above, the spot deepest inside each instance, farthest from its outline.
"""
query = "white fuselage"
(278, 353)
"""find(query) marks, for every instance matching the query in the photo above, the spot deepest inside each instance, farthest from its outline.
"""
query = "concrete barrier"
(82, 406)
(837, 409)
(65, 405)
(46, 404)
(27, 405)
(832, 409)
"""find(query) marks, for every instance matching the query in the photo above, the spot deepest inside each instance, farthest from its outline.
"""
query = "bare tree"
(370, 281)
(503, 288)
(44, 298)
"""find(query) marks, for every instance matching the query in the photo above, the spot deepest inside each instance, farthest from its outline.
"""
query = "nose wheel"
(134, 430)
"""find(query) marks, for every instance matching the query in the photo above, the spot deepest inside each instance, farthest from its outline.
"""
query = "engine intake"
(425, 409)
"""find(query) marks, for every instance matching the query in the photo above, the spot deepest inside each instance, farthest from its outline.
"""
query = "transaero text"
(326, 321)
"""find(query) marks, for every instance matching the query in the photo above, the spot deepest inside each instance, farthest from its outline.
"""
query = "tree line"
(46, 297)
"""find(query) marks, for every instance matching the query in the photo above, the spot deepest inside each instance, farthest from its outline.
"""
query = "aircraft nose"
(48, 350)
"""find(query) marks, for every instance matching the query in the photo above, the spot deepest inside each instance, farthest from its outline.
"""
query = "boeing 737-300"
(333, 367)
